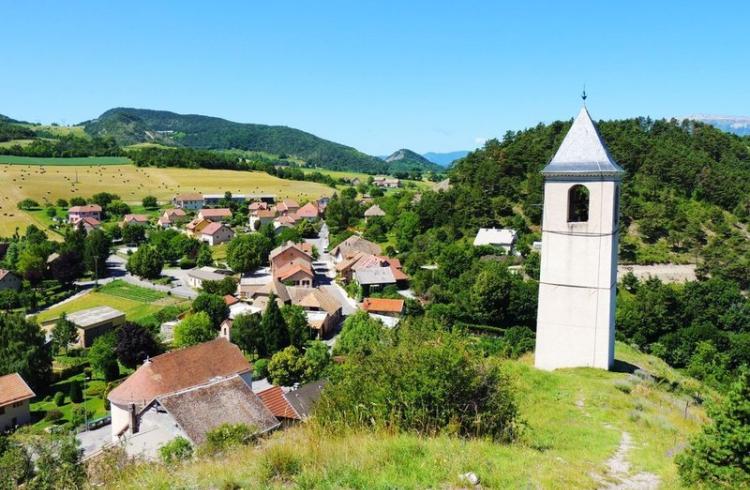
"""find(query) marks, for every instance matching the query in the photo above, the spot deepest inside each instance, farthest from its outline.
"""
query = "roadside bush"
(225, 436)
(59, 399)
(186, 263)
(423, 379)
(176, 450)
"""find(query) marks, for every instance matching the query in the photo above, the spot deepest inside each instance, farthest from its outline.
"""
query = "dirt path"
(665, 272)
(618, 475)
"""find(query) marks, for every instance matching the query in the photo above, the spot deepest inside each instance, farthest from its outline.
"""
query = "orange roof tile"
(230, 300)
(273, 398)
(383, 304)
(180, 369)
(14, 389)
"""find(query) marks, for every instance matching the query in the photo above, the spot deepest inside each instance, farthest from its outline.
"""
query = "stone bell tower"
(578, 279)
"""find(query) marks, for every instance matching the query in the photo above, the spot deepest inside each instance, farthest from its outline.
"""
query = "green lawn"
(17, 160)
(92, 401)
(138, 304)
(126, 290)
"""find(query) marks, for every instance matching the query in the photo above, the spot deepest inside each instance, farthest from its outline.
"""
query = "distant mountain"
(739, 125)
(129, 126)
(445, 159)
(404, 160)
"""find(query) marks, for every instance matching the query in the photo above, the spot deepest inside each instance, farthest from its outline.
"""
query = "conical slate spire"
(582, 152)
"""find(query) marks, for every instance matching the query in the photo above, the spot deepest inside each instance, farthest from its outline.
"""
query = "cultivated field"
(49, 183)
(73, 161)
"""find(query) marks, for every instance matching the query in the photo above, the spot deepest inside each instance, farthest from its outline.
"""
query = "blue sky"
(376, 75)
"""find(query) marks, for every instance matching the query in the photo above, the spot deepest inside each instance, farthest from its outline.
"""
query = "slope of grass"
(48, 183)
(575, 421)
(137, 303)
(68, 161)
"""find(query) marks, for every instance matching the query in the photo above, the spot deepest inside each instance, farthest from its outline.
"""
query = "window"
(578, 204)
(616, 208)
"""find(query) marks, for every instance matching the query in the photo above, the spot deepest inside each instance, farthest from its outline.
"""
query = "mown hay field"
(131, 183)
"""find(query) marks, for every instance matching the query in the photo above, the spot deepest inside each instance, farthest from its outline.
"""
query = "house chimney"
(133, 419)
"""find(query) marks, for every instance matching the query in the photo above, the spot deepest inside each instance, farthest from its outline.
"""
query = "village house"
(87, 224)
(348, 268)
(215, 214)
(387, 311)
(323, 311)
(290, 405)
(134, 219)
(374, 211)
(91, 323)
(172, 217)
(77, 213)
(291, 264)
(353, 245)
(216, 233)
(216, 199)
(261, 216)
(499, 238)
(192, 201)
(205, 273)
(8, 280)
(386, 182)
(14, 402)
(287, 206)
(196, 226)
(186, 392)
(308, 212)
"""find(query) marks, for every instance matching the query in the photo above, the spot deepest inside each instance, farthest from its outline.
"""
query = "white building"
(503, 238)
(576, 317)
(14, 402)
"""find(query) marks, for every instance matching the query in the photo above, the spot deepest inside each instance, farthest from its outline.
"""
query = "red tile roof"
(14, 389)
(215, 213)
(375, 305)
(88, 208)
(289, 270)
(230, 300)
(212, 228)
(309, 210)
(140, 218)
(273, 398)
(180, 369)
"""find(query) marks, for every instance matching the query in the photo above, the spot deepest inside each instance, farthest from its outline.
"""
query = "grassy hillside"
(585, 428)
(47, 184)
(130, 126)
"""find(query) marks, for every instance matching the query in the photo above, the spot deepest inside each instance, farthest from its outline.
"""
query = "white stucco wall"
(120, 419)
(20, 413)
(575, 321)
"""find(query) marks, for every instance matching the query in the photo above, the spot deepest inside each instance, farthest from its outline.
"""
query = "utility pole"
(96, 271)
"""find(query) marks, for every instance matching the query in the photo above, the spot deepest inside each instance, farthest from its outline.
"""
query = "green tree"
(28, 204)
(275, 333)
(58, 464)
(146, 262)
(23, 350)
(296, 324)
(133, 234)
(359, 335)
(96, 252)
(194, 329)
(135, 343)
(245, 253)
(287, 367)
(246, 333)
(718, 456)
(227, 286)
(31, 265)
(75, 392)
(150, 202)
(205, 257)
(214, 306)
(103, 356)
(177, 450)
(317, 359)
(16, 466)
(64, 333)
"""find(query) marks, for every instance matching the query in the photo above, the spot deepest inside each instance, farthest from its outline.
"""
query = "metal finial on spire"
(583, 94)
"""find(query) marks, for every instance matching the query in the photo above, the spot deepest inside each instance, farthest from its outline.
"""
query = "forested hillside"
(405, 160)
(128, 126)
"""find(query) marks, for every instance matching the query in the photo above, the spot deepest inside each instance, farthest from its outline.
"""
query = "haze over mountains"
(739, 125)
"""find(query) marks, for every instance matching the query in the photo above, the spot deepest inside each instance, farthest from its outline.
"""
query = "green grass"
(574, 423)
(92, 402)
(138, 304)
(53, 161)
(11, 143)
(126, 290)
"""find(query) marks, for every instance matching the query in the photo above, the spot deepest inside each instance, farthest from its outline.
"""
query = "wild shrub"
(422, 379)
